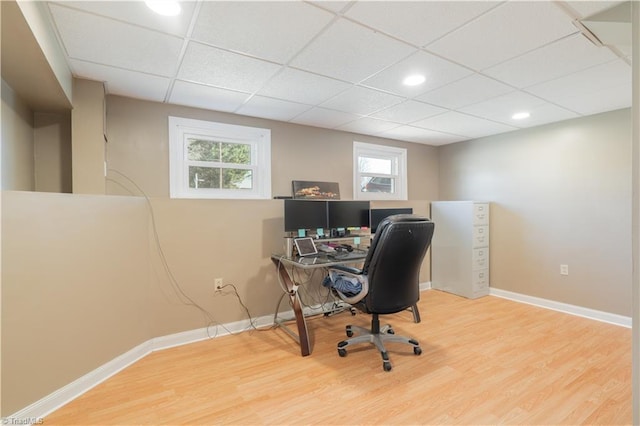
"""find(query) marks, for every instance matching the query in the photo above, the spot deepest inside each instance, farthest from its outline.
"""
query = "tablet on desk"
(305, 246)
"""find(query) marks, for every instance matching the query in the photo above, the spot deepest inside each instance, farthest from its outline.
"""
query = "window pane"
(236, 153)
(237, 179)
(218, 160)
(203, 150)
(378, 184)
(204, 177)
(374, 165)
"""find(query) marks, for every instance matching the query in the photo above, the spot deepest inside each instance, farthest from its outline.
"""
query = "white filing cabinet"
(460, 247)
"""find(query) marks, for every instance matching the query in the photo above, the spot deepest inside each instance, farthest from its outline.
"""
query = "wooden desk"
(285, 266)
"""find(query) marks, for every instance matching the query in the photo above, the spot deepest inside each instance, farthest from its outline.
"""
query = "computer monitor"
(349, 214)
(304, 214)
(377, 215)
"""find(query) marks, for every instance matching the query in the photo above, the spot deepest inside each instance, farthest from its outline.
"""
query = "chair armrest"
(358, 297)
(356, 273)
(348, 269)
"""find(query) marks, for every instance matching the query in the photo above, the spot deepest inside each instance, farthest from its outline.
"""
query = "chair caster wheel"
(353, 312)
(390, 331)
(417, 350)
(349, 331)
(386, 366)
(342, 352)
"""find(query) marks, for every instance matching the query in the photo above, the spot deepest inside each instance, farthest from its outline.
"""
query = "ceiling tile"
(333, 6)
(463, 125)
(597, 89)
(437, 71)
(600, 100)
(209, 65)
(272, 30)
(136, 12)
(408, 111)
(104, 41)
(123, 82)
(419, 135)
(368, 126)
(301, 86)
(350, 52)
(274, 109)
(212, 98)
(568, 90)
(587, 8)
(467, 91)
(509, 30)
(554, 60)
(417, 22)
(544, 114)
(322, 117)
(501, 109)
(362, 101)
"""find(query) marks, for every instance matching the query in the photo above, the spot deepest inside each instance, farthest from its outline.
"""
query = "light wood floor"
(484, 361)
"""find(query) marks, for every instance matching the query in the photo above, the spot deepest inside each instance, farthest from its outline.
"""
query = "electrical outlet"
(564, 269)
(218, 283)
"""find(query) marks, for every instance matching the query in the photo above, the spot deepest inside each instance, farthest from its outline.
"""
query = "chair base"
(376, 336)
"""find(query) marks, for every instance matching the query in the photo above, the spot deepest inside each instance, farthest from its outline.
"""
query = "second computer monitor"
(377, 215)
(349, 214)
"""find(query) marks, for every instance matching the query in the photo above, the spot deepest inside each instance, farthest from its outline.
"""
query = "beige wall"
(232, 239)
(52, 152)
(75, 280)
(87, 132)
(207, 239)
(36, 147)
(561, 194)
(138, 146)
(17, 142)
(87, 268)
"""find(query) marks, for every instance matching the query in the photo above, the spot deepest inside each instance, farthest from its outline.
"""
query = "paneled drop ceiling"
(340, 64)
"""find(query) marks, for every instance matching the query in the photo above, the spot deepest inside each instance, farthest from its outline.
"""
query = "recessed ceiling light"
(164, 7)
(520, 115)
(414, 80)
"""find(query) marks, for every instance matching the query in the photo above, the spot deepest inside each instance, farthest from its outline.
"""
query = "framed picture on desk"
(315, 190)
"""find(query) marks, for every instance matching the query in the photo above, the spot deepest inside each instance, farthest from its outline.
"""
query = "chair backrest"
(393, 263)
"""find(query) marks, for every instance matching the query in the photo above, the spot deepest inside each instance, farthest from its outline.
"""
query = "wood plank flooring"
(484, 361)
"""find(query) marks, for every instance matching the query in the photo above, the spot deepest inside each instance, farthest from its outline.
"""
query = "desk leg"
(416, 313)
(294, 299)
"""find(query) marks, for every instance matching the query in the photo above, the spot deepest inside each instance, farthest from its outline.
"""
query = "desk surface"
(317, 261)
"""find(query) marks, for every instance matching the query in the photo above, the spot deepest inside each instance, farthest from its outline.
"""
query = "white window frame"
(398, 157)
(259, 139)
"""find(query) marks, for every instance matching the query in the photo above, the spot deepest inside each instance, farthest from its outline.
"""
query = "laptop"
(305, 246)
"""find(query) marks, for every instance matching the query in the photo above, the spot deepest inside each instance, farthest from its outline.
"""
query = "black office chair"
(390, 280)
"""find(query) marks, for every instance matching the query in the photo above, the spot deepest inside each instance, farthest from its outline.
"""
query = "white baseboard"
(41, 408)
(563, 307)
(192, 336)
(68, 393)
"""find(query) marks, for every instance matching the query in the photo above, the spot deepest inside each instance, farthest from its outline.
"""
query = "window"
(216, 160)
(380, 172)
